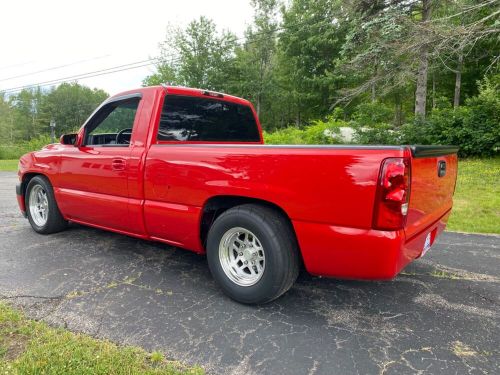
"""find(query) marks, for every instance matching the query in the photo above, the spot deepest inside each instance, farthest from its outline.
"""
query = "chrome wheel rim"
(39, 205)
(242, 256)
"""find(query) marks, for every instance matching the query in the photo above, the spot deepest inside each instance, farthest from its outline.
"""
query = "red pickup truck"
(188, 167)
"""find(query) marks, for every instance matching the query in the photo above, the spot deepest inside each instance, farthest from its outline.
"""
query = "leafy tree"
(198, 56)
(26, 114)
(255, 60)
(395, 44)
(312, 38)
(6, 121)
(69, 105)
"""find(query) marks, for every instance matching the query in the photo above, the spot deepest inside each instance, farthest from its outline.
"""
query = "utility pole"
(53, 131)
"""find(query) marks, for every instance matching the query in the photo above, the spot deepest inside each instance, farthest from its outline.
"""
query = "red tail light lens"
(393, 194)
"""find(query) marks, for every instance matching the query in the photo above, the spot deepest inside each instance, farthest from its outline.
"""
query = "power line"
(144, 63)
(52, 68)
(94, 73)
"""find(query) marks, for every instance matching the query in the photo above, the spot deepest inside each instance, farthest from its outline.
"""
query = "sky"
(68, 38)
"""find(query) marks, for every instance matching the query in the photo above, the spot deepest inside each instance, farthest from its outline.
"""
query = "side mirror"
(68, 139)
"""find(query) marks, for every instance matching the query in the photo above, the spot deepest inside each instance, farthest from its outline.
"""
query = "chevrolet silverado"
(189, 168)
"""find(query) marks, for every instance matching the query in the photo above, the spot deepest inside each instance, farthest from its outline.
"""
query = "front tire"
(252, 253)
(41, 207)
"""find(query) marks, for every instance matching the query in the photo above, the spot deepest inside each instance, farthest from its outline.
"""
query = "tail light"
(393, 194)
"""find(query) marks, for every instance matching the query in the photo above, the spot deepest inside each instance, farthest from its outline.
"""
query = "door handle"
(118, 164)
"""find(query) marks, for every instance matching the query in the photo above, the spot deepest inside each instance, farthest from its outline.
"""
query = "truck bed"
(329, 184)
(326, 190)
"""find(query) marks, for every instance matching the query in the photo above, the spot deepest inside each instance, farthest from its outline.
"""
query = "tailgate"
(433, 176)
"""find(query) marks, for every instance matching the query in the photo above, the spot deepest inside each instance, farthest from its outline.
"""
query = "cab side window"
(113, 124)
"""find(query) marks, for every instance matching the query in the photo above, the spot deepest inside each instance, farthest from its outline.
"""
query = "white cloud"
(37, 35)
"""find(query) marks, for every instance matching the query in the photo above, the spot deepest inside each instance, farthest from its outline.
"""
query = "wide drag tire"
(252, 253)
(41, 207)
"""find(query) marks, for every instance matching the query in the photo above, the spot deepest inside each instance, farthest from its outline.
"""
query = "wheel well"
(26, 180)
(215, 206)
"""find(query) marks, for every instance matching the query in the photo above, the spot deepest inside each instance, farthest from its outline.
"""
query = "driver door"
(93, 178)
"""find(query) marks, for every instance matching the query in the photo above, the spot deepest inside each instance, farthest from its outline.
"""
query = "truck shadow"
(160, 267)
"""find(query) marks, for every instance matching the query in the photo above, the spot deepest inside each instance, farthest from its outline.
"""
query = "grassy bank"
(29, 347)
(477, 197)
(8, 165)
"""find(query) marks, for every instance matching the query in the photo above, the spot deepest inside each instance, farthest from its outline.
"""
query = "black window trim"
(112, 100)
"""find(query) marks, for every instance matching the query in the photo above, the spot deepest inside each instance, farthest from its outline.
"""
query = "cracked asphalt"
(441, 315)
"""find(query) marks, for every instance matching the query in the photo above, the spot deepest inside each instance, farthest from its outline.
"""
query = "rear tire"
(41, 207)
(252, 253)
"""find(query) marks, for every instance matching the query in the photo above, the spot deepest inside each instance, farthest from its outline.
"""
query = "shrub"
(376, 134)
(371, 122)
(439, 128)
(15, 151)
(372, 114)
(475, 127)
(324, 132)
(480, 134)
(319, 132)
(290, 135)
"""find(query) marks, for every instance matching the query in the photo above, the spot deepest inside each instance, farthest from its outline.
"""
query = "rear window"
(186, 118)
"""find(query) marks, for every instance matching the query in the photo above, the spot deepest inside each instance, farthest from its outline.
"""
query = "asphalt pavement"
(441, 315)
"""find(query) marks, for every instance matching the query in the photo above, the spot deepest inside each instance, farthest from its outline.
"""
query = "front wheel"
(252, 253)
(43, 213)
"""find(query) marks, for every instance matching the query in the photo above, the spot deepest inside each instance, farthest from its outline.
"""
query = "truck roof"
(187, 91)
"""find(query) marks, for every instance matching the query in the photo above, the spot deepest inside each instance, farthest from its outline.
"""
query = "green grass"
(476, 206)
(8, 165)
(477, 197)
(30, 347)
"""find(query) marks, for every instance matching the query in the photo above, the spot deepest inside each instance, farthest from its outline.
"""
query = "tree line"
(396, 70)
(300, 60)
(27, 115)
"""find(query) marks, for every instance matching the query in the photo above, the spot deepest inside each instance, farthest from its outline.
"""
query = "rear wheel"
(43, 213)
(252, 253)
